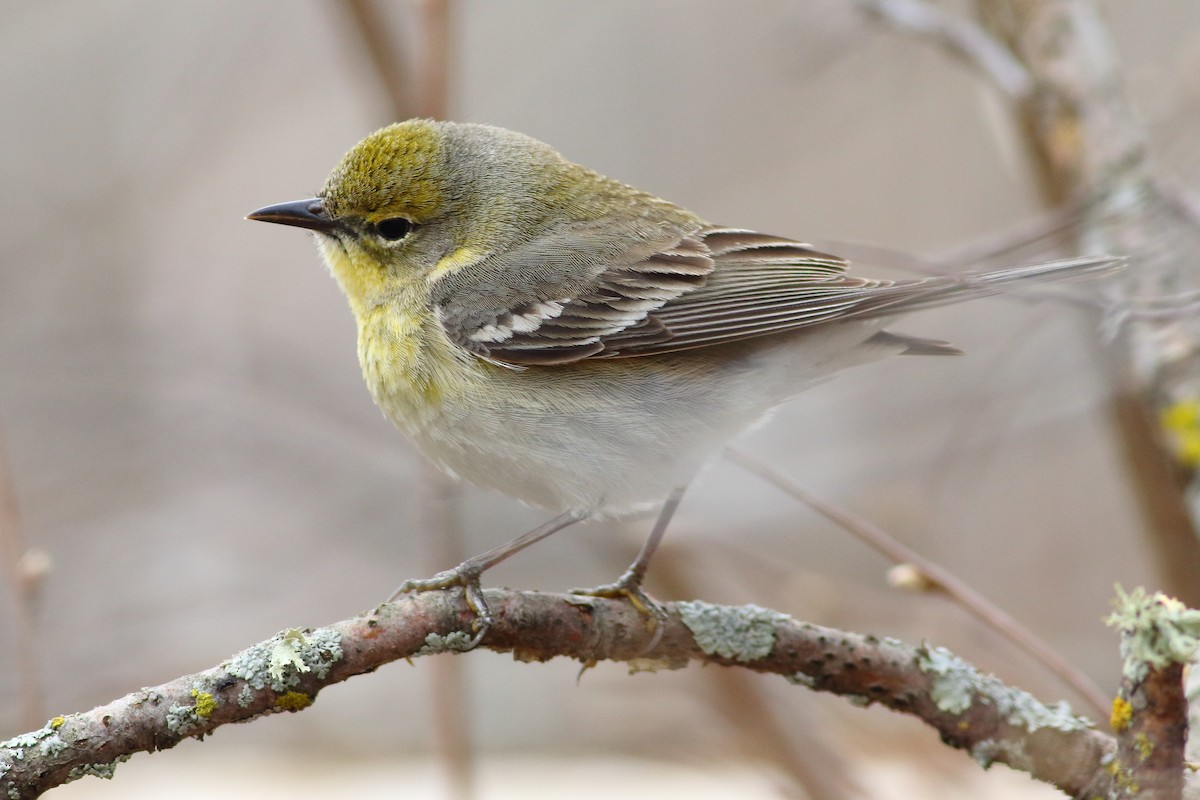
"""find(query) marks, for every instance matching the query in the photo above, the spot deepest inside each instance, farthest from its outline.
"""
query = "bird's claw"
(629, 587)
(465, 575)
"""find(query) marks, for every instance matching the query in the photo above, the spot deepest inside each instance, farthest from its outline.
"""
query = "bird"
(580, 345)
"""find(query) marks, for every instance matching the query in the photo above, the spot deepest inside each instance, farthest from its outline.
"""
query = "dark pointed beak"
(300, 213)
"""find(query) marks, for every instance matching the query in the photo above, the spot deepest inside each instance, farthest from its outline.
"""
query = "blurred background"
(190, 447)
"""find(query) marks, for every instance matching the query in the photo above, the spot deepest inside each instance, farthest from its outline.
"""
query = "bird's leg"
(468, 572)
(629, 585)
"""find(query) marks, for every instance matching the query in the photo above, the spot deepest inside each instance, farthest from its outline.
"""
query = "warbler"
(573, 342)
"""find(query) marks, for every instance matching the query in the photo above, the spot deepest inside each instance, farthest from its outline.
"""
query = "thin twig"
(434, 75)
(972, 601)
(450, 690)
(425, 93)
(385, 54)
(25, 581)
(960, 37)
(1180, 197)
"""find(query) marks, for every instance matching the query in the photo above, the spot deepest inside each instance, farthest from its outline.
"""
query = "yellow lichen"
(293, 701)
(206, 704)
(1144, 746)
(1122, 712)
(1181, 421)
(57, 722)
(1121, 777)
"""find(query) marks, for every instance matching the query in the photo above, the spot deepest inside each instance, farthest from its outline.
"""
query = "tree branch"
(26, 568)
(974, 712)
(1159, 635)
(960, 37)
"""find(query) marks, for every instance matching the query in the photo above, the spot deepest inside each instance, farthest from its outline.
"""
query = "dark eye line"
(394, 229)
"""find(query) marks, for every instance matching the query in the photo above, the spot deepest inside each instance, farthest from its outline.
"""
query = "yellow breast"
(409, 365)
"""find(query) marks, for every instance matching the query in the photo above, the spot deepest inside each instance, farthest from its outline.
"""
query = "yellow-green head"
(420, 200)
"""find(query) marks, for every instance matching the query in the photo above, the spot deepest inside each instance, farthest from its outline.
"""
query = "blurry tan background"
(190, 441)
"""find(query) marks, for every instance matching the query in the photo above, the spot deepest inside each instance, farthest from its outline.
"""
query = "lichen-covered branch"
(971, 711)
(1159, 636)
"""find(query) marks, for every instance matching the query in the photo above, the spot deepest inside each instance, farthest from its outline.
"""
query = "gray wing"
(760, 284)
(557, 298)
(579, 293)
(563, 302)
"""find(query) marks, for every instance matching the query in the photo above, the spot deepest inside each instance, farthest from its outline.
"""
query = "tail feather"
(904, 297)
(914, 345)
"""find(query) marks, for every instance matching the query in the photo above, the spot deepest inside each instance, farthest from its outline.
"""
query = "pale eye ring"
(393, 229)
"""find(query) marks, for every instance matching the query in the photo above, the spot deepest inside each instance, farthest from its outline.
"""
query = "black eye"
(394, 228)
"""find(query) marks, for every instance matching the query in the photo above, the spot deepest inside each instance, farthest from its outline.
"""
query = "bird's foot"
(629, 587)
(465, 575)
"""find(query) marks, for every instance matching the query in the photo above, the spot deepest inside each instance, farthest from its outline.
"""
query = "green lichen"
(988, 751)
(245, 696)
(984, 752)
(46, 740)
(26, 740)
(742, 633)
(278, 662)
(956, 684)
(53, 745)
(286, 654)
(104, 770)
(206, 704)
(453, 642)
(1156, 631)
(182, 720)
(802, 679)
(955, 681)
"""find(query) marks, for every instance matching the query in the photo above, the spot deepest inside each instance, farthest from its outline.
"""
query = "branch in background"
(438, 498)
(26, 569)
(387, 60)
(934, 576)
(438, 506)
(1089, 155)
(1083, 137)
(1088, 147)
(435, 62)
(423, 92)
(970, 711)
(960, 37)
